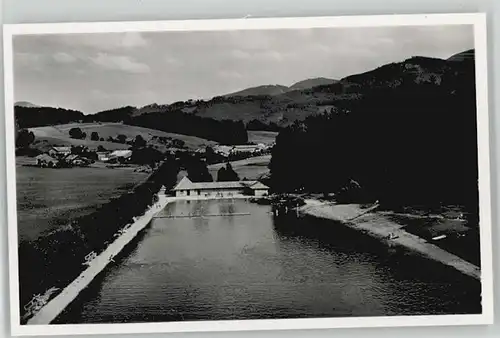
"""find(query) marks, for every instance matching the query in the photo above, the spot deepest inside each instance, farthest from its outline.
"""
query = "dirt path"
(379, 226)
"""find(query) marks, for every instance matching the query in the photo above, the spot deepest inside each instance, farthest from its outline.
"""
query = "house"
(46, 161)
(76, 160)
(219, 189)
(120, 154)
(59, 151)
(255, 188)
(250, 149)
(223, 150)
(103, 155)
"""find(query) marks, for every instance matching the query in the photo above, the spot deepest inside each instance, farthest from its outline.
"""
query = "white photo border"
(477, 20)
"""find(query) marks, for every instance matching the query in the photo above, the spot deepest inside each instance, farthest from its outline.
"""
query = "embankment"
(54, 307)
(376, 225)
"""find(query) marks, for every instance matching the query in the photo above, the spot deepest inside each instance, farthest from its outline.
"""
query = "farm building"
(223, 150)
(119, 156)
(120, 153)
(240, 149)
(103, 155)
(246, 149)
(45, 160)
(219, 189)
(76, 160)
(59, 151)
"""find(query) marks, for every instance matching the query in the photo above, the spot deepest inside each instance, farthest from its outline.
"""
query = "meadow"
(252, 168)
(48, 199)
(261, 136)
(59, 135)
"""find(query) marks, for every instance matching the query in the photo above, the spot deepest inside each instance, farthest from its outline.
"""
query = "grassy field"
(59, 135)
(49, 198)
(259, 136)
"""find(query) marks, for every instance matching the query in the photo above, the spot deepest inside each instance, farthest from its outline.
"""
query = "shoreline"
(351, 215)
(378, 226)
(56, 305)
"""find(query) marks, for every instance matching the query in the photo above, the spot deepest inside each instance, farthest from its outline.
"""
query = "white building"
(219, 189)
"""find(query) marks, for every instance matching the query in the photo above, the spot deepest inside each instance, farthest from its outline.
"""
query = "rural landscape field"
(50, 199)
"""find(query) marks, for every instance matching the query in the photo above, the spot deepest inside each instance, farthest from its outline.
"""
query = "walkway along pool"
(248, 264)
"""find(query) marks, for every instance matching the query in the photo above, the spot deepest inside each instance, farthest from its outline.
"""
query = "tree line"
(222, 131)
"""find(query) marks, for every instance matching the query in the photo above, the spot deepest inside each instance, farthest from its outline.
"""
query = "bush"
(94, 136)
(24, 138)
(77, 133)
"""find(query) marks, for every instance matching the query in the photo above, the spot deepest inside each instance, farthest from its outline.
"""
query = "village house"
(119, 155)
(45, 160)
(219, 189)
(223, 150)
(251, 149)
(103, 156)
(76, 160)
(58, 152)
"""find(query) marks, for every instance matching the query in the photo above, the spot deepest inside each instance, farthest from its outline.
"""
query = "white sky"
(93, 72)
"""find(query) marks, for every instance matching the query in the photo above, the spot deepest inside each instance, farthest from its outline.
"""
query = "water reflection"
(260, 266)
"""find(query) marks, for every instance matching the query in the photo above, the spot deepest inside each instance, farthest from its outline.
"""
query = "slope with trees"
(411, 139)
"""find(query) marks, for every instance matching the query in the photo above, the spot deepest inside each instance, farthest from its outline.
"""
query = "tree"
(221, 175)
(100, 148)
(197, 170)
(121, 138)
(24, 138)
(77, 133)
(146, 155)
(167, 174)
(178, 143)
(139, 142)
(94, 136)
(227, 174)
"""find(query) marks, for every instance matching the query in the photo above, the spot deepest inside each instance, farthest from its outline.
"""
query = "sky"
(99, 71)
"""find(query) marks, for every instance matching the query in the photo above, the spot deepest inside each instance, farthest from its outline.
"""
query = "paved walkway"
(379, 226)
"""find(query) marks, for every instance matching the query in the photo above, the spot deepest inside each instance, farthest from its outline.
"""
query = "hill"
(412, 124)
(416, 69)
(468, 55)
(59, 135)
(261, 90)
(311, 83)
(320, 95)
(25, 104)
(27, 117)
(268, 107)
(273, 90)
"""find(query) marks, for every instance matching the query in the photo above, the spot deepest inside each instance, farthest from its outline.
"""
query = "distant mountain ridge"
(25, 104)
(280, 89)
(279, 106)
(261, 90)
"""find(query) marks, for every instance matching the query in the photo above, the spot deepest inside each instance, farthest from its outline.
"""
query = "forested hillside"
(409, 139)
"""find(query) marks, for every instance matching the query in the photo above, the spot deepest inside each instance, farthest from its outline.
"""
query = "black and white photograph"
(248, 174)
